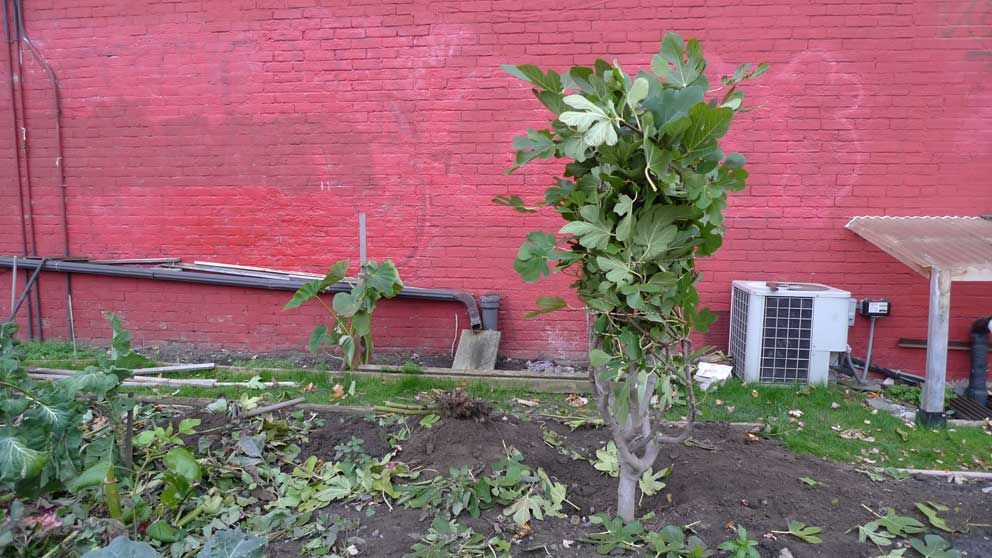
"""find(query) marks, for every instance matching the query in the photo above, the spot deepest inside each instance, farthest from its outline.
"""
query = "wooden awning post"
(931, 411)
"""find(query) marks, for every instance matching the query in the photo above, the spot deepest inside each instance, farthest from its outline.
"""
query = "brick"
(260, 140)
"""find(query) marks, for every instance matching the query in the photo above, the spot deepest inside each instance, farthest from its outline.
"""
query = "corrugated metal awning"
(959, 246)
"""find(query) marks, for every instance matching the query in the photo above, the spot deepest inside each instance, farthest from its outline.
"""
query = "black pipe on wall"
(290, 284)
(978, 382)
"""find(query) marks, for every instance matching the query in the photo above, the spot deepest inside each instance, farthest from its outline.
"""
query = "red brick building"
(254, 132)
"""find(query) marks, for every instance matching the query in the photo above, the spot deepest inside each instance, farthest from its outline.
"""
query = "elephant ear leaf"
(233, 543)
(383, 278)
(335, 274)
(312, 289)
(308, 291)
(123, 547)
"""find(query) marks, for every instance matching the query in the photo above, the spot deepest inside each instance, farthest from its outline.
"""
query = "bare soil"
(751, 483)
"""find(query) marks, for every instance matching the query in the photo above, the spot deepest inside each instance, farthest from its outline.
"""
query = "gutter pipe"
(287, 284)
(59, 158)
(9, 31)
(978, 381)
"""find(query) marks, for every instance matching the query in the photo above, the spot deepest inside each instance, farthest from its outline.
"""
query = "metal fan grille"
(738, 327)
(785, 343)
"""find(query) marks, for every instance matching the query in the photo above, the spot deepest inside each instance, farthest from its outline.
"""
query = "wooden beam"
(932, 398)
(910, 343)
(172, 368)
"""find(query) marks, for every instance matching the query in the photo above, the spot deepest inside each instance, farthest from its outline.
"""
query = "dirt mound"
(752, 483)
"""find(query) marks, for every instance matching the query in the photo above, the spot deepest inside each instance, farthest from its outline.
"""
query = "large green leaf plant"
(45, 441)
(643, 197)
(351, 311)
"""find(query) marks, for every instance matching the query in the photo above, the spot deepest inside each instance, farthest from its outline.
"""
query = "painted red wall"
(254, 131)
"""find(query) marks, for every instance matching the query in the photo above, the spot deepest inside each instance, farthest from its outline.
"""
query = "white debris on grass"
(711, 374)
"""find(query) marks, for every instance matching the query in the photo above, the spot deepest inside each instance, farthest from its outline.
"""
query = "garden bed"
(754, 483)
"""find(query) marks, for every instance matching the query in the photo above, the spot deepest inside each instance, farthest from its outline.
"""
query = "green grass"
(62, 354)
(817, 431)
(56, 350)
(273, 363)
(367, 392)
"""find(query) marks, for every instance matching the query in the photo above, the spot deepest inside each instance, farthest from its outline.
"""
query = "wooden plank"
(260, 269)
(922, 344)
(173, 368)
(938, 324)
(53, 374)
(230, 271)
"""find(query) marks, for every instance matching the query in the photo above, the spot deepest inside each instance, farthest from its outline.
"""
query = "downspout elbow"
(978, 381)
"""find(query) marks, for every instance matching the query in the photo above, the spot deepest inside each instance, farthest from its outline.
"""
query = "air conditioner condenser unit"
(787, 332)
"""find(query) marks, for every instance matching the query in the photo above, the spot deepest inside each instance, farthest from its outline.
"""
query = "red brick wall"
(254, 131)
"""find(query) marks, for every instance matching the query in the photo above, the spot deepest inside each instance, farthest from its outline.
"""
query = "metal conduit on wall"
(281, 284)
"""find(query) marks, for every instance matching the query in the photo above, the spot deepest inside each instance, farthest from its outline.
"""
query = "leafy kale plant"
(65, 433)
(643, 197)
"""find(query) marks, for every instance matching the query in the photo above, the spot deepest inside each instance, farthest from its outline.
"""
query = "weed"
(671, 542)
(411, 367)
(741, 547)
(616, 533)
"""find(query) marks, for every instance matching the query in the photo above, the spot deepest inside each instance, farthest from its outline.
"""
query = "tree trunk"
(359, 355)
(627, 492)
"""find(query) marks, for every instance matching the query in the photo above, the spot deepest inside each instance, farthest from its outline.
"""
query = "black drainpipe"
(290, 284)
(9, 32)
(978, 383)
(59, 159)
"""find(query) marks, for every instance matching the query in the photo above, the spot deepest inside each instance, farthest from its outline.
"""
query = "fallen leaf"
(855, 434)
(718, 402)
(310, 388)
(576, 400)
(754, 393)
(834, 405)
(731, 408)
(338, 391)
(795, 413)
(525, 402)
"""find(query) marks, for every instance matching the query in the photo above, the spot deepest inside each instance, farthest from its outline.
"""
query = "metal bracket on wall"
(27, 286)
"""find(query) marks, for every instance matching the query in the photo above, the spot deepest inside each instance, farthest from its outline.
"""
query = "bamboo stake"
(275, 407)
(172, 368)
(139, 381)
